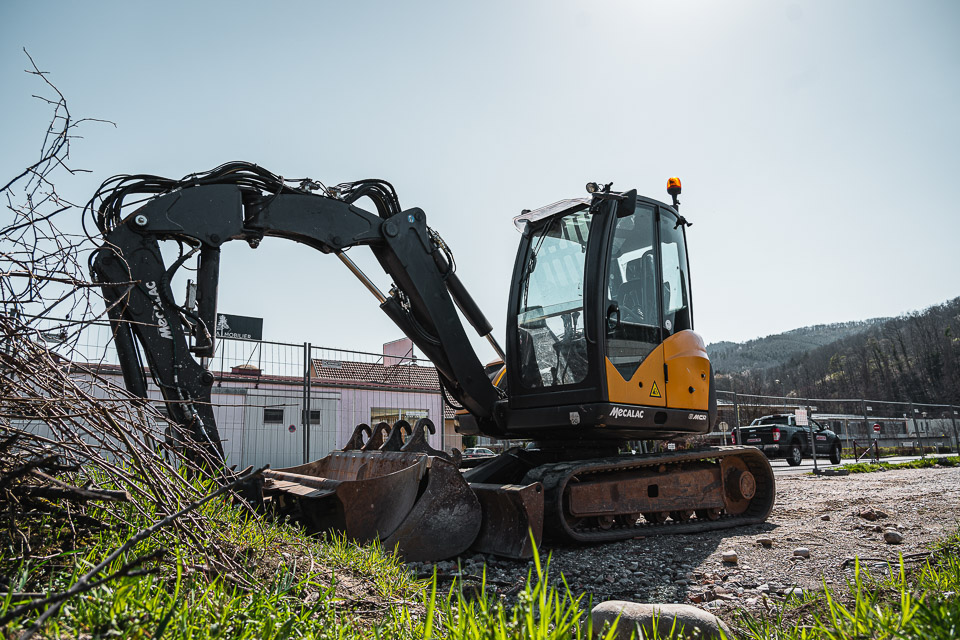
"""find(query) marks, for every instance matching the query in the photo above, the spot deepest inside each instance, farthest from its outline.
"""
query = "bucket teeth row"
(400, 437)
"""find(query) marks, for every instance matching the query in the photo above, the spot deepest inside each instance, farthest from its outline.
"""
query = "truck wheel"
(794, 455)
(835, 452)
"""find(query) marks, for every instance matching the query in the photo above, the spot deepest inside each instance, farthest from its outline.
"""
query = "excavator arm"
(136, 284)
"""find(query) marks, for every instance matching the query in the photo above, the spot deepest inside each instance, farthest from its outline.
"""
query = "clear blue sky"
(817, 141)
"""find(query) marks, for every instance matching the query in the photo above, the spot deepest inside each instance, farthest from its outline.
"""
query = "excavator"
(600, 352)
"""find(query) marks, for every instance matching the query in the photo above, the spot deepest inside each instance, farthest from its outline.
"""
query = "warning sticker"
(655, 391)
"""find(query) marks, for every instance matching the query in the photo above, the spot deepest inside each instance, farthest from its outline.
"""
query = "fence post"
(813, 438)
(866, 423)
(916, 429)
(736, 417)
(953, 421)
(307, 350)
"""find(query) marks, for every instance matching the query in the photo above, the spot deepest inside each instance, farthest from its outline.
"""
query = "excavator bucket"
(365, 495)
(512, 519)
(414, 500)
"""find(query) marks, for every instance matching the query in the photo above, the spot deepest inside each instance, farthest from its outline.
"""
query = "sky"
(817, 141)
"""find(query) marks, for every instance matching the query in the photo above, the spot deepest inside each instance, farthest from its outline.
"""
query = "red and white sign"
(876, 428)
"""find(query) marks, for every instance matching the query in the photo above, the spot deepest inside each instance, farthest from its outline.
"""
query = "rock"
(825, 517)
(765, 542)
(730, 556)
(872, 514)
(694, 622)
(793, 592)
(801, 552)
(892, 537)
(764, 588)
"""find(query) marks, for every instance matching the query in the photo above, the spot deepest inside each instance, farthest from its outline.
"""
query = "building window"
(381, 414)
(272, 415)
(315, 416)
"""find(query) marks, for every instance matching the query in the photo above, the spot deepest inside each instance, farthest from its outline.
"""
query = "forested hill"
(914, 357)
(763, 353)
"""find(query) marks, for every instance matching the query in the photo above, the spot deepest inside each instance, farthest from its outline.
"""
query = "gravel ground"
(834, 518)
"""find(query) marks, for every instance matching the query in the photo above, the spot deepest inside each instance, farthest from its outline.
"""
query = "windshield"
(552, 347)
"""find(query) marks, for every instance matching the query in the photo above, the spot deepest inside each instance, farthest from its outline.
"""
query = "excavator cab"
(600, 340)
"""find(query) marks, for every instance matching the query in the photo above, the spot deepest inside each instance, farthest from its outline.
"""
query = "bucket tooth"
(395, 440)
(512, 519)
(356, 440)
(418, 443)
(376, 440)
(444, 521)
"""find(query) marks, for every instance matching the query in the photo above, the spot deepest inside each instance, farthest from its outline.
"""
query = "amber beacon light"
(673, 188)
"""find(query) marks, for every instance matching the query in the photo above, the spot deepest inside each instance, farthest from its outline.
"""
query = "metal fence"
(285, 404)
(901, 426)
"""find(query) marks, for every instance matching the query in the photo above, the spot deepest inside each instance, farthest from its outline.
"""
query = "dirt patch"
(824, 515)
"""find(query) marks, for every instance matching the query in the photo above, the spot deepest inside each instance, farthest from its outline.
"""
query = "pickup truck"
(779, 436)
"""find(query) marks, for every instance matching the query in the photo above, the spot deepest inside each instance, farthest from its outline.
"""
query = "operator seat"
(639, 291)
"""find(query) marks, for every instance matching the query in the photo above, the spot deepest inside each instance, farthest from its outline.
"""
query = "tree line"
(914, 357)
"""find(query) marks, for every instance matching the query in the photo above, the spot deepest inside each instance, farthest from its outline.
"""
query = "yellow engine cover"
(687, 382)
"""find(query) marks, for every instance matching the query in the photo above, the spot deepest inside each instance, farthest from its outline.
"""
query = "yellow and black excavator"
(600, 351)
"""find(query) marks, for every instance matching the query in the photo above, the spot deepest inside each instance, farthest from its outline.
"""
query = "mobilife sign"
(245, 327)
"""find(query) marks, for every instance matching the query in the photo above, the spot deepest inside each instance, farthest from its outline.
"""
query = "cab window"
(676, 284)
(632, 304)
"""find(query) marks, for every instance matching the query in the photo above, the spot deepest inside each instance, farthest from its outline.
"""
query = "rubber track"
(555, 477)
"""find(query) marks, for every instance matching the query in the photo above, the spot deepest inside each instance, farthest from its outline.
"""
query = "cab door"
(632, 357)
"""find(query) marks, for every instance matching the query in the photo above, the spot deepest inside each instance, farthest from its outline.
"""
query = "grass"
(904, 605)
(332, 588)
(305, 587)
(925, 463)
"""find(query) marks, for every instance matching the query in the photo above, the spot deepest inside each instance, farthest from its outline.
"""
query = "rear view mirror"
(627, 203)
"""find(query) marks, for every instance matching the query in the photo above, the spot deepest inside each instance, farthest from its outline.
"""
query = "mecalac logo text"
(163, 327)
(623, 412)
(697, 416)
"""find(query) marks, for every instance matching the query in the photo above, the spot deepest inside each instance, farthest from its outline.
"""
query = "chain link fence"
(896, 427)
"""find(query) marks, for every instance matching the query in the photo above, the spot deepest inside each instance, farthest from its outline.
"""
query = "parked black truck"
(779, 436)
